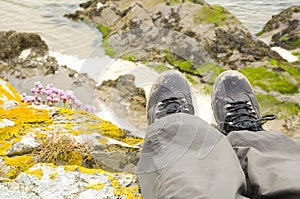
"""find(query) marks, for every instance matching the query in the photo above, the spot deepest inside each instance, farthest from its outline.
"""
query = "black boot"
(234, 104)
(170, 94)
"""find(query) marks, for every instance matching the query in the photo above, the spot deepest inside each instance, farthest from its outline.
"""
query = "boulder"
(149, 30)
(283, 29)
(43, 146)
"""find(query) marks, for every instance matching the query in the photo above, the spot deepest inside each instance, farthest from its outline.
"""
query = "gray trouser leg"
(184, 157)
(271, 162)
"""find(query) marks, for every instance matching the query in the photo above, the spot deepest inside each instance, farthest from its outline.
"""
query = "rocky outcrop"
(201, 40)
(12, 44)
(190, 31)
(24, 59)
(284, 29)
(51, 152)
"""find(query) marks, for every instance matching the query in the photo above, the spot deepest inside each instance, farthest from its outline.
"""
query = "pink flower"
(34, 90)
(49, 99)
(70, 94)
(77, 103)
(55, 100)
(23, 97)
(49, 86)
(90, 108)
(30, 99)
(38, 85)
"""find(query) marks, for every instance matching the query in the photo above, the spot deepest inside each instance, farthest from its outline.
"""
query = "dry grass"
(62, 149)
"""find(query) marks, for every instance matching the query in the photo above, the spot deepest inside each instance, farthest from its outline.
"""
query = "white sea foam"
(70, 61)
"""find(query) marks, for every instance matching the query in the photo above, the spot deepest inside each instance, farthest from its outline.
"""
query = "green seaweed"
(269, 80)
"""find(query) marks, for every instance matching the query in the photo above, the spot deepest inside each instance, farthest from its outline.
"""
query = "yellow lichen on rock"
(7, 92)
(25, 118)
(93, 124)
(96, 186)
(53, 175)
(18, 164)
(71, 168)
(38, 173)
(129, 192)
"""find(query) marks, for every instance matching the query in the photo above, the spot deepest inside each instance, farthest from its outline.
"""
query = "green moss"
(215, 14)
(269, 80)
(178, 63)
(297, 54)
(292, 71)
(283, 109)
(104, 30)
(129, 58)
(107, 48)
(173, 2)
(211, 68)
(207, 89)
(110, 51)
(294, 43)
(187, 66)
(105, 33)
(289, 68)
(260, 33)
(160, 68)
(283, 38)
(291, 42)
(191, 79)
(274, 62)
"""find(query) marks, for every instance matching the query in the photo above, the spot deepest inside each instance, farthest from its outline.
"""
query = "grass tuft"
(61, 149)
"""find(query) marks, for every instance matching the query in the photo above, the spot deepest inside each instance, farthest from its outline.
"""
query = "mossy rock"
(269, 80)
(215, 14)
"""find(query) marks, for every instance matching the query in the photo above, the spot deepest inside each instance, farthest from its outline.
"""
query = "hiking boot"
(169, 94)
(234, 104)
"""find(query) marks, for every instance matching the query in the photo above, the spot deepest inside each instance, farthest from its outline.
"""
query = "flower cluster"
(53, 96)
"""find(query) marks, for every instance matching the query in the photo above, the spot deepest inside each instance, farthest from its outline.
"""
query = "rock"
(283, 29)
(54, 147)
(200, 40)
(58, 182)
(12, 44)
(149, 29)
(127, 102)
(9, 97)
(24, 60)
(237, 45)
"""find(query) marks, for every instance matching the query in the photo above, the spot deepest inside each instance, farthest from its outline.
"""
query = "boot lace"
(173, 105)
(242, 116)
